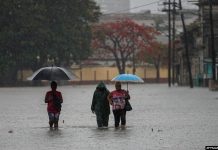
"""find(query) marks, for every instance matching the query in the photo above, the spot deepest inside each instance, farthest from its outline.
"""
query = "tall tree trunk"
(158, 74)
(157, 66)
(120, 69)
(118, 63)
(133, 63)
(123, 66)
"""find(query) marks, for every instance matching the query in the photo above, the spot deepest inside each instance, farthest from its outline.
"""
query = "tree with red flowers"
(122, 40)
(156, 54)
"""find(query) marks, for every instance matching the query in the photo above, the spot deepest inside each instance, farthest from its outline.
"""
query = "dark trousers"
(102, 119)
(119, 115)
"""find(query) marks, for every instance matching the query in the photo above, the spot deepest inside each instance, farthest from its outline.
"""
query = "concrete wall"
(96, 73)
(107, 73)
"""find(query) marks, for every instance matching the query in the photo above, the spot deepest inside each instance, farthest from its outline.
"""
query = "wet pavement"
(162, 119)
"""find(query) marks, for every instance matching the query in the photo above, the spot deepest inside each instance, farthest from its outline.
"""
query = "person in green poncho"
(100, 105)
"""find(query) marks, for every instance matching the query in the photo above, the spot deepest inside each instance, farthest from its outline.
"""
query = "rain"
(162, 52)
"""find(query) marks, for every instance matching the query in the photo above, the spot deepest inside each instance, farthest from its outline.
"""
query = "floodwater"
(162, 118)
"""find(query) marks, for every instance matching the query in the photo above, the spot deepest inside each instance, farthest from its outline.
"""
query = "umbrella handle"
(51, 73)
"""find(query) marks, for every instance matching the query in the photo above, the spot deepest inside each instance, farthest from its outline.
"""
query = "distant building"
(206, 36)
(200, 53)
(113, 6)
(146, 18)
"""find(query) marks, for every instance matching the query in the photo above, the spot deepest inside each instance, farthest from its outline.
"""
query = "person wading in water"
(54, 100)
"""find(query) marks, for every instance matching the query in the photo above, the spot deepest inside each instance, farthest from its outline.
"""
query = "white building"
(113, 6)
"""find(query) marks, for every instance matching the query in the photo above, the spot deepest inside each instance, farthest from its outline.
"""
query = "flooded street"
(162, 119)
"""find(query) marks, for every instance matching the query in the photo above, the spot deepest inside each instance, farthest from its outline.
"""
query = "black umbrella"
(52, 73)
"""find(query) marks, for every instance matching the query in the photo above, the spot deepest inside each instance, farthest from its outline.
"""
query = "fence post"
(107, 75)
(95, 75)
(81, 75)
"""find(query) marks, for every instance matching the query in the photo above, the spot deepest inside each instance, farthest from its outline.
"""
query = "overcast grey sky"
(154, 7)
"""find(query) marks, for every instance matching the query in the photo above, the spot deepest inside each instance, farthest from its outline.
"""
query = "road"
(162, 118)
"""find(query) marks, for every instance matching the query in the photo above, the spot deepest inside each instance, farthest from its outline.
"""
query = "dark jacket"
(99, 100)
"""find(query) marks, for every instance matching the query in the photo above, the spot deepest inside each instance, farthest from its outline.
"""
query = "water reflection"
(54, 132)
(162, 118)
(112, 133)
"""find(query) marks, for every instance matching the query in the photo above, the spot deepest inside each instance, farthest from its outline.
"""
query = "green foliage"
(44, 29)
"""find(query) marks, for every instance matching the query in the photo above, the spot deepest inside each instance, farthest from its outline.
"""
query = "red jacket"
(117, 98)
(49, 99)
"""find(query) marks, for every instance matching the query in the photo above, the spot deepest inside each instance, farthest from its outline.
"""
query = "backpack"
(57, 102)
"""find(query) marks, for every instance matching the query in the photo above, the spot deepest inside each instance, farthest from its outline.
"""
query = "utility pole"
(186, 47)
(169, 43)
(173, 39)
(212, 41)
(169, 3)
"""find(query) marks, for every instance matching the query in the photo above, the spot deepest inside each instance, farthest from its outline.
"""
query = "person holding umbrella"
(100, 105)
(117, 99)
(54, 100)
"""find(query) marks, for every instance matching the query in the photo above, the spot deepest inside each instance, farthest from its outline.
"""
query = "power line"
(132, 8)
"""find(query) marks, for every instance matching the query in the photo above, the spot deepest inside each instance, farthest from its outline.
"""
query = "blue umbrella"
(128, 78)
